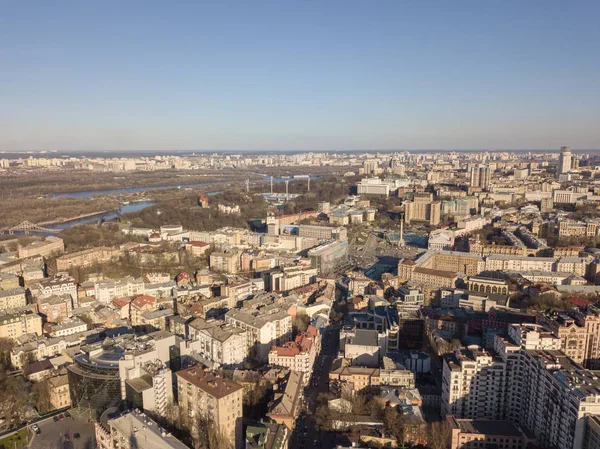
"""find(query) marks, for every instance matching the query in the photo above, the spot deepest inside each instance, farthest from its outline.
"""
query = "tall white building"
(564, 161)
(540, 389)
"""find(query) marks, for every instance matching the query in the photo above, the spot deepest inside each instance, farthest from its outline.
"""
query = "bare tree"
(439, 435)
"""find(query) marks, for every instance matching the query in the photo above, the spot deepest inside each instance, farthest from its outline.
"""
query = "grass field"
(21, 438)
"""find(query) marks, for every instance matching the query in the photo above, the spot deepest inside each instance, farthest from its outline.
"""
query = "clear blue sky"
(306, 74)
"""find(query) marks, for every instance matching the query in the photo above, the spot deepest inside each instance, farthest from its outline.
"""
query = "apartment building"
(9, 281)
(454, 261)
(518, 384)
(298, 355)
(14, 326)
(496, 262)
(225, 262)
(434, 278)
(67, 326)
(13, 298)
(218, 343)
(106, 291)
(220, 400)
(56, 286)
(289, 278)
(86, 258)
(572, 228)
(473, 385)
(133, 430)
(264, 328)
(55, 308)
(579, 332)
(49, 246)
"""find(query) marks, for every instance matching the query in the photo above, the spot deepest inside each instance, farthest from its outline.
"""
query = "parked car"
(36, 429)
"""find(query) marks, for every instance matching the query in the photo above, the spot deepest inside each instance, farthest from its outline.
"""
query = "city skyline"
(299, 77)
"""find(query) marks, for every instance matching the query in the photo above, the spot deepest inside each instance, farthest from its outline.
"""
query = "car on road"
(67, 414)
(55, 418)
(61, 416)
(36, 429)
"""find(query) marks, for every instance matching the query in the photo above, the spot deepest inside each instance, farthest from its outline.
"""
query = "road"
(306, 433)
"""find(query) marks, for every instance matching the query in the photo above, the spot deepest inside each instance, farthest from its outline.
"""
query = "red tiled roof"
(121, 302)
(143, 300)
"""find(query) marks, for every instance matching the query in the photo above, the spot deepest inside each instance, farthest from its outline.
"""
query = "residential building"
(13, 298)
(218, 399)
(86, 258)
(225, 262)
(48, 247)
(473, 433)
(300, 354)
(218, 343)
(133, 430)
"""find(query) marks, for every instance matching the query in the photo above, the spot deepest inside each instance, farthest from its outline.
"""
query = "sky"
(299, 75)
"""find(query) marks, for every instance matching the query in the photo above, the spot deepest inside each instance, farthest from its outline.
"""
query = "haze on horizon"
(266, 75)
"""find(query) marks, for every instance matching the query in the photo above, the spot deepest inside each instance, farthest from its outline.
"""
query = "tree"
(40, 393)
(208, 435)
(6, 346)
(393, 423)
(300, 323)
(439, 435)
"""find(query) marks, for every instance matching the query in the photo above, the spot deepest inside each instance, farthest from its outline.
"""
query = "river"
(125, 208)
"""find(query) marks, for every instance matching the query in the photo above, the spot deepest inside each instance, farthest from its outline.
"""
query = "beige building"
(48, 247)
(58, 389)
(472, 434)
(423, 208)
(86, 258)
(225, 262)
(14, 326)
(207, 394)
(9, 281)
(11, 299)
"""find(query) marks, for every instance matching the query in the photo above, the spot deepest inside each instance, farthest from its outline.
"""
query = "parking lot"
(70, 432)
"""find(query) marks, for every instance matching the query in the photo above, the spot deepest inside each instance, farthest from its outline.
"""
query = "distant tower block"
(309, 184)
(286, 187)
(271, 184)
(247, 185)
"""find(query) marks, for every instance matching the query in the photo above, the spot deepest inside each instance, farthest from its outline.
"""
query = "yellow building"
(13, 326)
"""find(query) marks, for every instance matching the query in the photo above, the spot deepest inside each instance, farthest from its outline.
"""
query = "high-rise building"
(540, 389)
(371, 166)
(481, 176)
(423, 208)
(565, 160)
